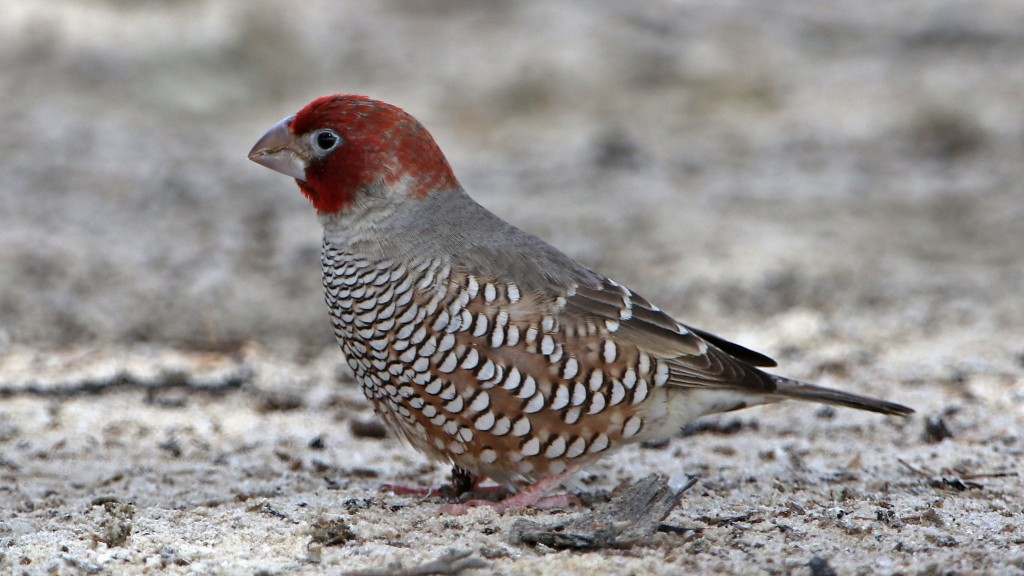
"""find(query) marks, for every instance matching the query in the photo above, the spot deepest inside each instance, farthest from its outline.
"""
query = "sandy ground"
(838, 186)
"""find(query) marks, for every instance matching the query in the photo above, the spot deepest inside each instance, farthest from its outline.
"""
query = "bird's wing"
(694, 358)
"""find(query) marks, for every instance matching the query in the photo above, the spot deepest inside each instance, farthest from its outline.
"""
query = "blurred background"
(837, 184)
(743, 163)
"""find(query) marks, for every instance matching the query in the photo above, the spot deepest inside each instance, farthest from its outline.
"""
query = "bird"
(481, 345)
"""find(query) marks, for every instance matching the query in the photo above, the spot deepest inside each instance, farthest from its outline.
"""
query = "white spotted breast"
(477, 371)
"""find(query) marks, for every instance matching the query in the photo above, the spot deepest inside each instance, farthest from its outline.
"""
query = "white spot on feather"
(556, 448)
(522, 427)
(485, 422)
(531, 447)
(513, 293)
(610, 352)
(631, 427)
(534, 404)
(571, 369)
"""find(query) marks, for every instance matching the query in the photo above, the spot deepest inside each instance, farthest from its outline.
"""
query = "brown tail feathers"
(809, 392)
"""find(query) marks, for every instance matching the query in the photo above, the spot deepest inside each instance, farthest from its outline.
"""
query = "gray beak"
(279, 150)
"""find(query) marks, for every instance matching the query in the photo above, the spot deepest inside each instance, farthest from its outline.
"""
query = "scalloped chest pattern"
(450, 370)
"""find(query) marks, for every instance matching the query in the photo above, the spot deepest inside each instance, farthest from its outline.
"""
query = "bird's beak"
(279, 150)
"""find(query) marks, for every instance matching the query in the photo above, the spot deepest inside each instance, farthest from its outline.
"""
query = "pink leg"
(536, 496)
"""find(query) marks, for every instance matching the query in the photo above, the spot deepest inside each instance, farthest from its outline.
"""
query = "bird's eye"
(326, 140)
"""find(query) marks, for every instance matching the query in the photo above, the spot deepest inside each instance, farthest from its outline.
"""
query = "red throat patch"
(380, 145)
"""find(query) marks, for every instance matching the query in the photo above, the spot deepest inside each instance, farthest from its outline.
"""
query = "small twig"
(84, 565)
(673, 529)
(961, 483)
(683, 530)
(955, 484)
(913, 469)
(689, 484)
(989, 475)
(727, 520)
(450, 564)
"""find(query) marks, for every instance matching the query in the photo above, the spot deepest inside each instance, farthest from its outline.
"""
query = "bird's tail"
(795, 390)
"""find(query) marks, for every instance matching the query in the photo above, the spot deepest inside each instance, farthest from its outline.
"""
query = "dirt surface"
(838, 186)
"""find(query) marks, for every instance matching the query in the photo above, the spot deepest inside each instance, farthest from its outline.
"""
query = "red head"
(340, 146)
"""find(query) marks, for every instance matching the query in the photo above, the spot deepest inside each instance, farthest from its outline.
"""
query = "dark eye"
(326, 140)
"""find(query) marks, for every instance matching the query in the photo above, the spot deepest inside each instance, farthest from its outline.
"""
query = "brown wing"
(694, 358)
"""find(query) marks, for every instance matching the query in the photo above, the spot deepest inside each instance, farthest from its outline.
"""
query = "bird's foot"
(537, 496)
